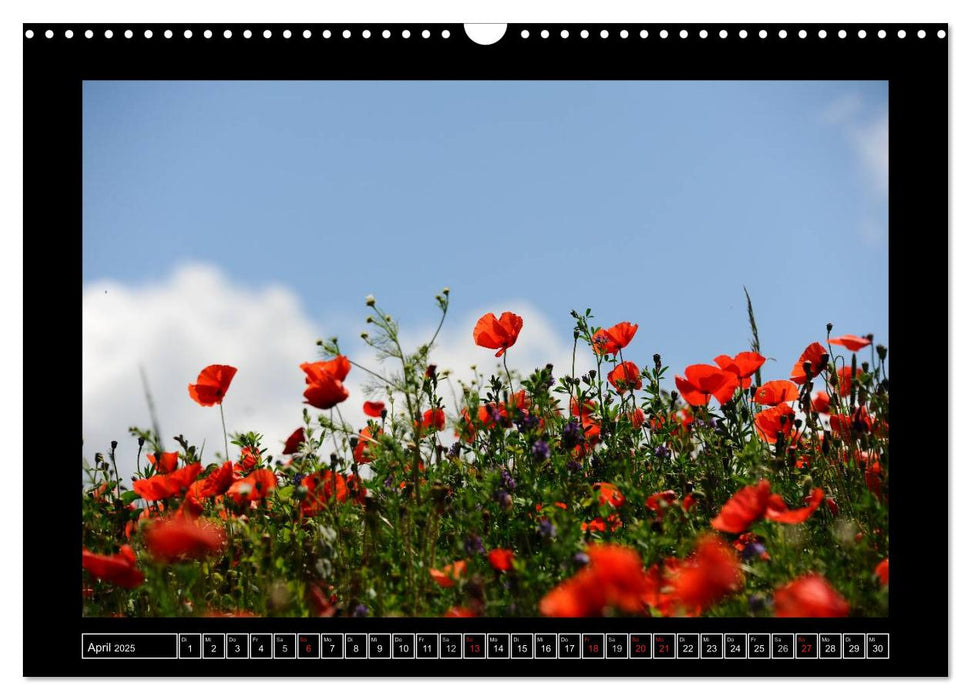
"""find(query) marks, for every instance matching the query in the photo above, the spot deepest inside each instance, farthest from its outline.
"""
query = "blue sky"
(652, 202)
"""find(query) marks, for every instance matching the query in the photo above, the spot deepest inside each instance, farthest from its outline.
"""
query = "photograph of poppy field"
(655, 385)
(724, 492)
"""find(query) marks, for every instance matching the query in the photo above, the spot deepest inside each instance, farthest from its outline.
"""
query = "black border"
(917, 71)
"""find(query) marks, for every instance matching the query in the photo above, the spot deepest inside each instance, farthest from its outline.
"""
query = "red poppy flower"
(817, 357)
(365, 441)
(497, 333)
(636, 418)
(501, 559)
(752, 503)
(254, 487)
(119, 569)
(167, 485)
(373, 408)
(810, 596)
(777, 511)
(166, 463)
(846, 426)
(873, 474)
(591, 427)
(850, 342)
(292, 444)
(249, 457)
(324, 487)
(708, 575)
(844, 379)
(821, 402)
(215, 484)
(619, 572)
(176, 538)
(465, 430)
(625, 376)
(458, 611)
(614, 578)
(211, 386)
(703, 381)
(578, 596)
(325, 382)
(610, 341)
(432, 420)
(883, 571)
(600, 524)
(449, 574)
(608, 493)
(775, 421)
(743, 366)
(774, 393)
(660, 500)
(743, 509)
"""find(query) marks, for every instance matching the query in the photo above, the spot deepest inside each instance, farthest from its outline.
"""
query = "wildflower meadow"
(634, 489)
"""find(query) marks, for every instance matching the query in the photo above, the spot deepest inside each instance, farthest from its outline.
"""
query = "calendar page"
(490, 349)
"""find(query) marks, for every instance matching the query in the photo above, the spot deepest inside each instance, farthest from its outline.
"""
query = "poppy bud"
(657, 361)
(869, 336)
(98, 458)
(882, 352)
(674, 397)
(352, 441)
(114, 444)
(865, 366)
(829, 327)
(141, 442)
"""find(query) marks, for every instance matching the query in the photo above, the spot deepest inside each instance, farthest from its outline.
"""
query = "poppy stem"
(222, 416)
(372, 373)
(508, 375)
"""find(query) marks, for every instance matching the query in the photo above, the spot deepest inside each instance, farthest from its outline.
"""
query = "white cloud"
(871, 141)
(176, 326)
(867, 133)
(842, 109)
(173, 328)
